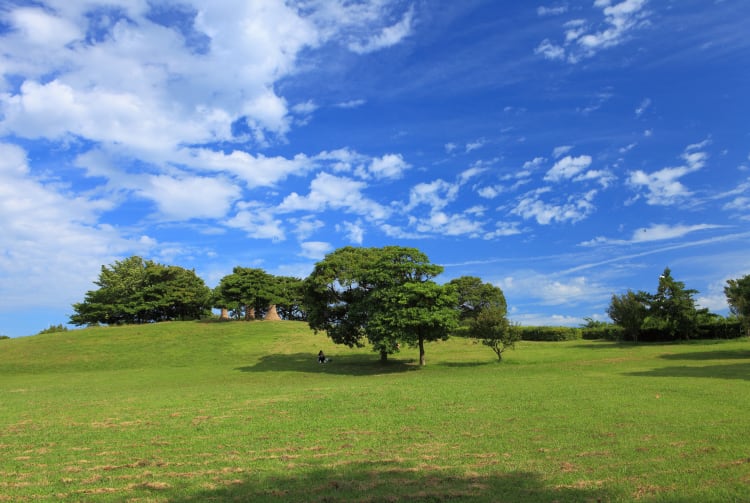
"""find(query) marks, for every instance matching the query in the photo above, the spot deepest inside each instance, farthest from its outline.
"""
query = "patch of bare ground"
(594, 454)
(650, 490)
(582, 484)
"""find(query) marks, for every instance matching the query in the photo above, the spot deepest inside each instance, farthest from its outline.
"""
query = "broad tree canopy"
(381, 295)
(475, 296)
(141, 291)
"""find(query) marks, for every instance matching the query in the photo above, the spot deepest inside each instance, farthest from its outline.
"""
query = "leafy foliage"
(381, 295)
(629, 311)
(475, 296)
(138, 291)
(738, 298)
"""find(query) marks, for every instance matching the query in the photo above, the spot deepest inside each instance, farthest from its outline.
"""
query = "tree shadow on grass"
(361, 365)
(731, 371)
(735, 354)
(390, 482)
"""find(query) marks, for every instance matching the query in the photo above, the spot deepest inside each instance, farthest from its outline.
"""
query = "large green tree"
(140, 291)
(738, 298)
(384, 296)
(475, 296)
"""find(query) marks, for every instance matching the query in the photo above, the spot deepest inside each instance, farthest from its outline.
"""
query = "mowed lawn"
(193, 412)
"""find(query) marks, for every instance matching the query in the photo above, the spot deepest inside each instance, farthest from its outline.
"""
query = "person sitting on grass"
(321, 357)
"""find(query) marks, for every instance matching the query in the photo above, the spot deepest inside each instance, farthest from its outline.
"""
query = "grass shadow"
(731, 371)
(390, 482)
(360, 365)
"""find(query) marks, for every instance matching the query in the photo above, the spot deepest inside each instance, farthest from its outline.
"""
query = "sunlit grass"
(222, 411)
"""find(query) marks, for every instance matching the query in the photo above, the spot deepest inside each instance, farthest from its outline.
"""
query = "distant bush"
(4, 337)
(54, 329)
(552, 334)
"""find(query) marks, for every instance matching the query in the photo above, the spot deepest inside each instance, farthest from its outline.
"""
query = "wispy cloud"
(583, 38)
(656, 232)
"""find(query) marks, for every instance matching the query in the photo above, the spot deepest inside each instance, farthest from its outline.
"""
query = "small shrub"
(4, 337)
(54, 329)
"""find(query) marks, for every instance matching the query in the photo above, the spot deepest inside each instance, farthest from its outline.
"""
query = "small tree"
(629, 310)
(673, 307)
(738, 298)
(495, 331)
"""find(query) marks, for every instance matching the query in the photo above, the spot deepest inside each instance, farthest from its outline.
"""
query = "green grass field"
(193, 412)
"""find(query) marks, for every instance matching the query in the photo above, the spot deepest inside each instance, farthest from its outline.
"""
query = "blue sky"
(561, 150)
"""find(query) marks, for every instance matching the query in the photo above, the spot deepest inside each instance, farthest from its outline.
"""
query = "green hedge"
(608, 332)
(550, 333)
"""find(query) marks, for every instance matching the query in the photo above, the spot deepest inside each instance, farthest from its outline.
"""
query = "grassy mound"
(182, 412)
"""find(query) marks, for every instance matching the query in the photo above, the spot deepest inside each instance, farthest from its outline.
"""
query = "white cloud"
(534, 163)
(315, 249)
(329, 191)
(351, 103)
(561, 150)
(655, 232)
(567, 168)
(388, 36)
(552, 291)
(389, 166)
(187, 198)
(584, 39)
(663, 186)
(51, 238)
(354, 231)
(258, 221)
(551, 11)
(474, 145)
(575, 208)
(436, 194)
(641, 109)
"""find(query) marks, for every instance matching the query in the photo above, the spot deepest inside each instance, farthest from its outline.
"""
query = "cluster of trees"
(135, 291)
(671, 313)
(383, 296)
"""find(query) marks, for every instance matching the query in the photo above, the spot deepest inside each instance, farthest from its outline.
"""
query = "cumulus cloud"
(567, 168)
(50, 238)
(329, 191)
(573, 209)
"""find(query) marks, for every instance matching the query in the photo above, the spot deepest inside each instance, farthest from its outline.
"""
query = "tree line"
(671, 313)
(384, 297)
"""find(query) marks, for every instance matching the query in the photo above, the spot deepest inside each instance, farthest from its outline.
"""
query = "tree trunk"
(249, 313)
(224, 314)
(272, 314)
(421, 351)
